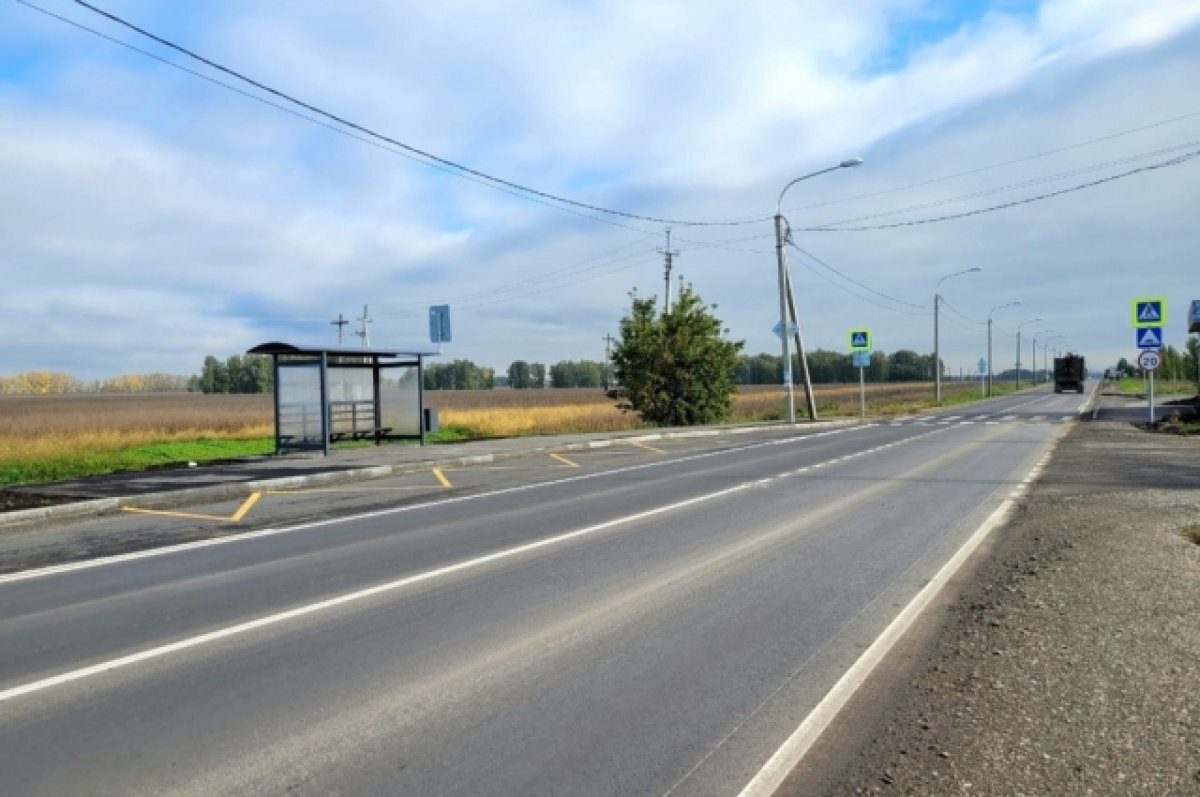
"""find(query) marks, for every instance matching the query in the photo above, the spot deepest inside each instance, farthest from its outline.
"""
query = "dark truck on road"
(1069, 373)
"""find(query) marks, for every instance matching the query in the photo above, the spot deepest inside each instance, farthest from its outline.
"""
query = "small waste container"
(430, 419)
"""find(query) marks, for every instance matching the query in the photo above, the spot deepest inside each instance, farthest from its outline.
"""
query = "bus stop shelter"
(326, 394)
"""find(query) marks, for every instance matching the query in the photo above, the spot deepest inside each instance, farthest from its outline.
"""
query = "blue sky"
(151, 218)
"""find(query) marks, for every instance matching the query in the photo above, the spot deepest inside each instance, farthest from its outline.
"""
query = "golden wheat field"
(34, 426)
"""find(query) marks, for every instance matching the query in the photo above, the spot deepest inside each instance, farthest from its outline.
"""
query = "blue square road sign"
(1149, 338)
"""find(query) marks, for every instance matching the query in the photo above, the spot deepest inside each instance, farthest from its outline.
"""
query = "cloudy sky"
(152, 215)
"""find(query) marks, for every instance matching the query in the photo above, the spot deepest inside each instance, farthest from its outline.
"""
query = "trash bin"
(431, 419)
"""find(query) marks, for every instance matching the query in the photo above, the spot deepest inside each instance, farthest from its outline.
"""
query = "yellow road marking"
(245, 507)
(566, 461)
(234, 518)
(650, 448)
(442, 477)
(345, 490)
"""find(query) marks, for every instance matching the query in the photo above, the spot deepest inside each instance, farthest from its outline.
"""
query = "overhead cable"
(848, 278)
(1002, 164)
(430, 158)
(1162, 165)
(1049, 178)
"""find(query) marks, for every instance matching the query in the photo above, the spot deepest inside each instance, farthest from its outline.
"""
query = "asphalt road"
(655, 621)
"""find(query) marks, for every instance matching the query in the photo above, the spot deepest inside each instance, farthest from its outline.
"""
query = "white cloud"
(129, 185)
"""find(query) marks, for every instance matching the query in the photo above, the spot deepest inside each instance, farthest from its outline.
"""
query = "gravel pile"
(1071, 664)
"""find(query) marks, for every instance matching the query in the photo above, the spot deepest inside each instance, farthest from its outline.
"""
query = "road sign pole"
(862, 392)
(1151, 398)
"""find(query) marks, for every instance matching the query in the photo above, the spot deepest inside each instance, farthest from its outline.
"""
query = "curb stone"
(218, 492)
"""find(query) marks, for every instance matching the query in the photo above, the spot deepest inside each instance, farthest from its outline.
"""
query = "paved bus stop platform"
(181, 485)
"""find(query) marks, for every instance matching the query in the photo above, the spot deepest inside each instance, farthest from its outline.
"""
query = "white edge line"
(785, 759)
(301, 611)
(350, 597)
(23, 575)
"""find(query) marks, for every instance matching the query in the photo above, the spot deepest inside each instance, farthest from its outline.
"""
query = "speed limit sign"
(1149, 360)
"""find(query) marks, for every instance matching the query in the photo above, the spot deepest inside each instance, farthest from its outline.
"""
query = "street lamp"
(1017, 386)
(1045, 357)
(937, 357)
(1033, 352)
(989, 362)
(785, 294)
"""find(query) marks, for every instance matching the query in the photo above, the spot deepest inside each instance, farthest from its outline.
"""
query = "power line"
(1023, 184)
(457, 168)
(1164, 164)
(1002, 164)
(848, 278)
(955, 310)
(549, 276)
(330, 127)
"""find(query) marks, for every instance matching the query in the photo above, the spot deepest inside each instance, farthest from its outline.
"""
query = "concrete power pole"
(363, 332)
(670, 258)
(341, 322)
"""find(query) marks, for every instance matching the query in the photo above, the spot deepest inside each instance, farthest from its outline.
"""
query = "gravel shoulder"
(1066, 662)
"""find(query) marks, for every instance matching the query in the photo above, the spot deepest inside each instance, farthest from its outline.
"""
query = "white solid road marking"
(23, 575)
(351, 597)
(790, 753)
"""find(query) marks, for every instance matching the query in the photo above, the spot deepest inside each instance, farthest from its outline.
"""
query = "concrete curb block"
(239, 489)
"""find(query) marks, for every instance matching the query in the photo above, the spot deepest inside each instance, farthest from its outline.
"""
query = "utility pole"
(608, 339)
(362, 330)
(341, 322)
(670, 257)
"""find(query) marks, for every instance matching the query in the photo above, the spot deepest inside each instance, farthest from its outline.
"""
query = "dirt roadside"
(1065, 662)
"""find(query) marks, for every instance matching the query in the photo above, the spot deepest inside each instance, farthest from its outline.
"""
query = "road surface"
(654, 621)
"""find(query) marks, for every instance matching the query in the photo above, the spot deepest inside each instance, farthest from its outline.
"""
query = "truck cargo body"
(1069, 373)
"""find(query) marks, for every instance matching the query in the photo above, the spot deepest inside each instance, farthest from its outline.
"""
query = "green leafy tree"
(675, 369)
(537, 372)
(520, 376)
(584, 373)
(458, 375)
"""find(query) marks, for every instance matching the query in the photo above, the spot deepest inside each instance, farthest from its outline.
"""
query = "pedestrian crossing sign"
(1150, 338)
(860, 340)
(1149, 311)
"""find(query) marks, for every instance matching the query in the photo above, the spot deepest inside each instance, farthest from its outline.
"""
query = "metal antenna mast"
(670, 257)
(341, 322)
(363, 332)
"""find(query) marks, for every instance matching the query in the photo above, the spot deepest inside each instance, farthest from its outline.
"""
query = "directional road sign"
(1149, 337)
(860, 359)
(792, 329)
(982, 365)
(860, 340)
(1149, 311)
(439, 323)
(1149, 360)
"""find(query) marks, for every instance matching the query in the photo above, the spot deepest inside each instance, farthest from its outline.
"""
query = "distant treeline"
(42, 382)
(252, 373)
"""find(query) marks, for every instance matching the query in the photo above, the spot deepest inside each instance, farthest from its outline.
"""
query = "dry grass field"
(44, 437)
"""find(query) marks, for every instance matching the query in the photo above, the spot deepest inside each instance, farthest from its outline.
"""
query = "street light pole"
(989, 357)
(937, 355)
(1017, 386)
(1033, 352)
(784, 295)
(1045, 355)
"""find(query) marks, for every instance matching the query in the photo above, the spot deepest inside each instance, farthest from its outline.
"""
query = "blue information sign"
(439, 323)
